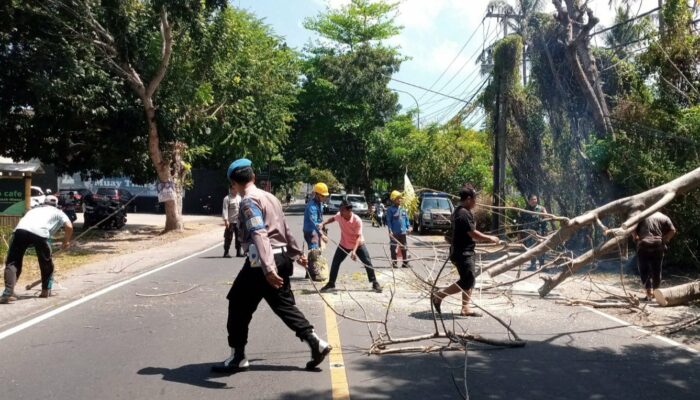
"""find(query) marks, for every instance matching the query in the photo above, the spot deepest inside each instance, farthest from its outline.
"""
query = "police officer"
(230, 215)
(313, 217)
(399, 226)
(271, 250)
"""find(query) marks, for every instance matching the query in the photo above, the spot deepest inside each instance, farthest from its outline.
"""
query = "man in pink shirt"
(351, 242)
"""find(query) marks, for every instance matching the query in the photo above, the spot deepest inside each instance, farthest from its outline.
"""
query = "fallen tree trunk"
(677, 295)
(637, 207)
(581, 261)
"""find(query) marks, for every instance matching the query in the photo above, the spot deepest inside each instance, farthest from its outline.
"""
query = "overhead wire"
(455, 57)
(491, 35)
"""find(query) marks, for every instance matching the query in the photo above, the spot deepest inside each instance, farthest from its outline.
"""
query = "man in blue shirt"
(399, 226)
(313, 218)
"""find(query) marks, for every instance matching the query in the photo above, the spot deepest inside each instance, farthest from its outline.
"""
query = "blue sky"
(434, 32)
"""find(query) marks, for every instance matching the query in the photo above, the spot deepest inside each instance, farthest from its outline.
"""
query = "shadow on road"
(541, 370)
(200, 375)
(190, 374)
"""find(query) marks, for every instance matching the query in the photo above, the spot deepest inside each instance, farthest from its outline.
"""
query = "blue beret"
(240, 163)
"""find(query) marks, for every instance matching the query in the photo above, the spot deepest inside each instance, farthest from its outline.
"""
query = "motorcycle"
(68, 205)
(378, 215)
(108, 213)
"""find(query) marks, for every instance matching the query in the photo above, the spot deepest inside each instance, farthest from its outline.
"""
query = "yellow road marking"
(339, 380)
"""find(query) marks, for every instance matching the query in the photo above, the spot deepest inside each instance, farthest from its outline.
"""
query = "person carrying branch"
(534, 221)
(35, 229)
(399, 227)
(351, 242)
(463, 245)
(652, 236)
(313, 217)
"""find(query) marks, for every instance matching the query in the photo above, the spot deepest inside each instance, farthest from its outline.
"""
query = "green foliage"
(232, 89)
(326, 176)
(344, 96)
(437, 157)
(359, 22)
(674, 60)
(228, 92)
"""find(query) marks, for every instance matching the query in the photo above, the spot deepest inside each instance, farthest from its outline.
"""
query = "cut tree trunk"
(677, 295)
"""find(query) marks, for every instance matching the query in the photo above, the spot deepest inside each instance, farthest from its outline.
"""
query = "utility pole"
(504, 17)
(499, 149)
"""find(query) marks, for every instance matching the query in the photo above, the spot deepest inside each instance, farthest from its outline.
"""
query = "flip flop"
(475, 314)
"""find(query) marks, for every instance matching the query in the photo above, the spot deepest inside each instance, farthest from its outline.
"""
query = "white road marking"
(66, 307)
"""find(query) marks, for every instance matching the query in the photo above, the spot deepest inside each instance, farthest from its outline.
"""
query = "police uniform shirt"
(263, 224)
(230, 207)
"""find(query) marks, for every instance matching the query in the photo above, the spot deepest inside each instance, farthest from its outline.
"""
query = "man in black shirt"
(464, 237)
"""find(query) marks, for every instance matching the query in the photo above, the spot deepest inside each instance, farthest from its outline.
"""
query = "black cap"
(345, 204)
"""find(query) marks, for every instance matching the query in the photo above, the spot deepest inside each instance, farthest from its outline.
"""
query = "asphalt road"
(124, 345)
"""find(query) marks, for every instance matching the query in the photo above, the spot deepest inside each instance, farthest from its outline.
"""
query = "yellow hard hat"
(395, 195)
(321, 188)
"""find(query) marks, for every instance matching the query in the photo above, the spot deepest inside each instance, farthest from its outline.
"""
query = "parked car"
(122, 196)
(434, 211)
(359, 204)
(37, 197)
(333, 203)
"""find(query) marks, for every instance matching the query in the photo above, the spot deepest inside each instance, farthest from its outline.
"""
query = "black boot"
(236, 362)
(319, 350)
(328, 287)
(226, 255)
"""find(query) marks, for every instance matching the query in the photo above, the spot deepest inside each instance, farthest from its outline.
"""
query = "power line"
(636, 17)
(468, 87)
(455, 57)
(426, 89)
(486, 39)
(647, 37)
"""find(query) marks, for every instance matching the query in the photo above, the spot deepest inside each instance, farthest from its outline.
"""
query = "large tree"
(226, 91)
(345, 94)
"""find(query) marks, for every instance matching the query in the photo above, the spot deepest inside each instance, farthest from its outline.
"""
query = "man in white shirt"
(229, 213)
(35, 229)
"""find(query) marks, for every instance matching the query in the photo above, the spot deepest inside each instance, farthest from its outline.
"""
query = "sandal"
(474, 314)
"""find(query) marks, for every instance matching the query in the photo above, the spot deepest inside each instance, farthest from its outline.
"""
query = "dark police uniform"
(271, 247)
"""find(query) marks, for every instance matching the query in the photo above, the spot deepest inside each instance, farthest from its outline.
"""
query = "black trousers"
(229, 233)
(248, 289)
(21, 240)
(396, 241)
(341, 253)
(649, 264)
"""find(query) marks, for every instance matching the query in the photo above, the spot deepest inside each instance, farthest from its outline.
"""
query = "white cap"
(51, 200)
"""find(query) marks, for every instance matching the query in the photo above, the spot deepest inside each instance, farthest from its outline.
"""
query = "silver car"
(359, 204)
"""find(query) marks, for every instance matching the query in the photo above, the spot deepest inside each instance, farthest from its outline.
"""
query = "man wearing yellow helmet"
(397, 222)
(313, 217)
